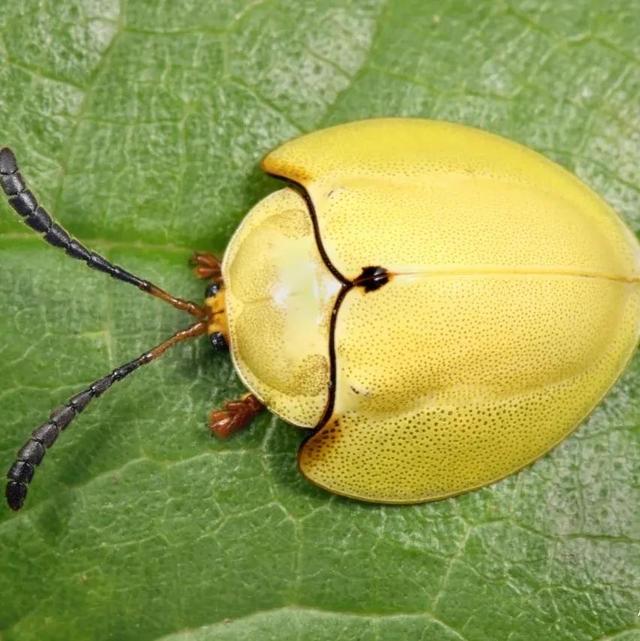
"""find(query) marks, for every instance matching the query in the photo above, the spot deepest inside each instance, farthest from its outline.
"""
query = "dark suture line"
(301, 189)
(21, 472)
(26, 205)
(328, 411)
(346, 286)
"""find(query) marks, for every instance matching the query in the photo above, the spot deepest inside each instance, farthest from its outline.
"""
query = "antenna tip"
(8, 164)
(16, 493)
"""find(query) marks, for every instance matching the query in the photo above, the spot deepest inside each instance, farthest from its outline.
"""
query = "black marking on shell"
(372, 278)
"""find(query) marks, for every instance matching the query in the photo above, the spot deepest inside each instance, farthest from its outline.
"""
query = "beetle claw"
(234, 416)
(205, 265)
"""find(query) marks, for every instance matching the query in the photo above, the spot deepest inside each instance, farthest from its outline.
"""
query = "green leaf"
(141, 125)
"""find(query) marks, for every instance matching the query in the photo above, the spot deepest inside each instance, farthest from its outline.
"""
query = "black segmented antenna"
(37, 217)
(33, 451)
(26, 204)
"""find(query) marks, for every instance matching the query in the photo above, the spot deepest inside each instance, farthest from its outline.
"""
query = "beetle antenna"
(33, 451)
(27, 206)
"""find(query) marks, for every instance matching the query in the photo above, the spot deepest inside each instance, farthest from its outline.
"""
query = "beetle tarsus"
(234, 416)
(206, 266)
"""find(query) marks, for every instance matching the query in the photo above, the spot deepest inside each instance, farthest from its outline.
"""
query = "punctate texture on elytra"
(512, 305)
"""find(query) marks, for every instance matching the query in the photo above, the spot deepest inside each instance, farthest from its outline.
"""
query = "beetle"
(436, 305)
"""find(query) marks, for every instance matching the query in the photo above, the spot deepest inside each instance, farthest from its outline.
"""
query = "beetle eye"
(212, 289)
(218, 342)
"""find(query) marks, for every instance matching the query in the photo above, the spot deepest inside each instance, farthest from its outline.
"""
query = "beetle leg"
(206, 266)
(234, 416)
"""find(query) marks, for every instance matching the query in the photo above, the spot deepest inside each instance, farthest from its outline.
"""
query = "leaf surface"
(140, 125)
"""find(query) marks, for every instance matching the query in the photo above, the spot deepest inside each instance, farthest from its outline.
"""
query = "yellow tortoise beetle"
(437, 305)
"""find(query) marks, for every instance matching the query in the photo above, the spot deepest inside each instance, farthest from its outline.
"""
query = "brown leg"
(234, 416)
(206, 266)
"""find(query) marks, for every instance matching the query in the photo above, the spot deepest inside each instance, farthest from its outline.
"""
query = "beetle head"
(217, 328)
